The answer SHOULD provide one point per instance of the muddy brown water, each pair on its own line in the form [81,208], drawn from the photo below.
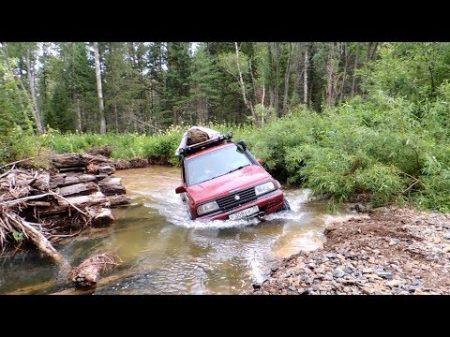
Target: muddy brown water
[164,252]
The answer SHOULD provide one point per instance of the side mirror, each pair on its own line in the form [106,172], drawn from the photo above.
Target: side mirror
[241,145]
[180,189]
[260,161]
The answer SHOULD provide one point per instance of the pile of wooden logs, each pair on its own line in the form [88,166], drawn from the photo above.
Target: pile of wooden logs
[76,192]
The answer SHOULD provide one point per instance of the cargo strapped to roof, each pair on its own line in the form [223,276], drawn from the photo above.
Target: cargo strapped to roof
[203,145]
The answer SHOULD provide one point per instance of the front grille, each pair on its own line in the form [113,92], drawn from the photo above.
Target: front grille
[230,201]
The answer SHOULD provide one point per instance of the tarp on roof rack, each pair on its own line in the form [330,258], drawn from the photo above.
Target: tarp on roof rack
[185,141]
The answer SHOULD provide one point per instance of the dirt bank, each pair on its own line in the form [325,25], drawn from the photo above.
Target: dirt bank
[393,251]
[124,164]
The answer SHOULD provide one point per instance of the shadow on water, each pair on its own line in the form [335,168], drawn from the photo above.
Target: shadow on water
[164,252]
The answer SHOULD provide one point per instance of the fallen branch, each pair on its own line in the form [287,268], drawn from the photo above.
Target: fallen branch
[411,186]
[16,162]
[21,200]
[35,236]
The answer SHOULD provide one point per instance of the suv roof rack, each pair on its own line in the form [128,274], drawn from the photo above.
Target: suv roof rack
[203,145]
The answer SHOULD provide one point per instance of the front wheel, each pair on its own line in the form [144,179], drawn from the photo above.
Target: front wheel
[286,206]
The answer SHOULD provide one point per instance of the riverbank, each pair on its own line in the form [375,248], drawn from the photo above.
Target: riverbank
[392,251]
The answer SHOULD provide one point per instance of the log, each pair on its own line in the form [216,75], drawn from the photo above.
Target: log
[52,210]
[39,204]
[72,169]
[85,188]
[118,200]
[106,169]
[57,180]
[63,180]
[112,186]
[103,282]
[94,199]
[95,159]
[69,160]
[87,274]
[101,217]
[84,200]
[42,182]
[99,177]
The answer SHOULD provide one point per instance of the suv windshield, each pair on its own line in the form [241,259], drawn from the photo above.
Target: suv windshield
[214,164]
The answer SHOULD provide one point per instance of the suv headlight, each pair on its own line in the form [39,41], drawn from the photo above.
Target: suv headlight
[264,188]
[207,208]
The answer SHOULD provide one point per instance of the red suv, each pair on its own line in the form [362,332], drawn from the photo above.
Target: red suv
[222,180]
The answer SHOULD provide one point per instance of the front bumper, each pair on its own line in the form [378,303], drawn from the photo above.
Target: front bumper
[268,203]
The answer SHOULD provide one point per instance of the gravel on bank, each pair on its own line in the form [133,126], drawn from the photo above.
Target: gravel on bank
[393,251]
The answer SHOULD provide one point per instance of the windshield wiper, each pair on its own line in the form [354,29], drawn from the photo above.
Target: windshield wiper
[238,168]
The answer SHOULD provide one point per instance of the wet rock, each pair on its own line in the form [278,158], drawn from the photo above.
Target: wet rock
[311,265]
[394,283]
[393,242]
[367,290]
[385,274]
[338,272]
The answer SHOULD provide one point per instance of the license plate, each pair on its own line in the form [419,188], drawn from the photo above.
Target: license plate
[244,213]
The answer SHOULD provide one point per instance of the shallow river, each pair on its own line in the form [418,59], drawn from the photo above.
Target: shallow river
[163,252]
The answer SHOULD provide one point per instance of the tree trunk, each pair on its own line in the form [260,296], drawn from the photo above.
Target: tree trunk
[305,77]
[247,103]
[374,51]
[355,67]
[99,90]
[78,119]
[371,51]
[287,76]
[275,64]
[31,81]
[330,77]
[116,117]
[344,76]
[263,96]
[253,78]
[270,79]
[296,97]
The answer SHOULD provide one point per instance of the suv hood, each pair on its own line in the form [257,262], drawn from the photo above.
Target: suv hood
[244,178]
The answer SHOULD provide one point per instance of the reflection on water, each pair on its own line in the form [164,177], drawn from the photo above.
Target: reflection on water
[166,253]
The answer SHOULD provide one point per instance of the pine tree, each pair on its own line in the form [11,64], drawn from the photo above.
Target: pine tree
[176,93]
[205,93]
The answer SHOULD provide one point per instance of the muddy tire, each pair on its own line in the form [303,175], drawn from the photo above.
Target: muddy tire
[286,206]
